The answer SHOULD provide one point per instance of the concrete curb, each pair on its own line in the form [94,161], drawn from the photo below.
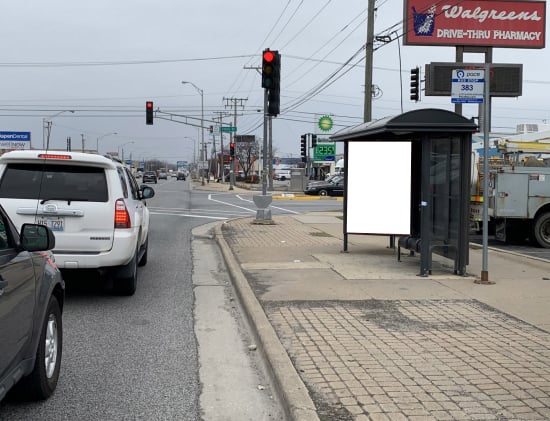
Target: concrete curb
[292,392]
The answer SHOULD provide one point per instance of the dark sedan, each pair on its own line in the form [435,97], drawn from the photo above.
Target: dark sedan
[149,177]
[32,295]
[334,187]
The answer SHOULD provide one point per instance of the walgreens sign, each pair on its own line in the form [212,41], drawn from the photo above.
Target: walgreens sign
[483,23]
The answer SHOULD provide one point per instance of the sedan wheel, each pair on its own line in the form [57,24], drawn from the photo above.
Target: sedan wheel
[42,381]
[323,193]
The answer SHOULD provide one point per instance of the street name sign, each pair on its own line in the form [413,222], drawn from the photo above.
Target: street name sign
[228,129]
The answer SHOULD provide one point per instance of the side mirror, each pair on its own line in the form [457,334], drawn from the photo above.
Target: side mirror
[146,191]
[35,237]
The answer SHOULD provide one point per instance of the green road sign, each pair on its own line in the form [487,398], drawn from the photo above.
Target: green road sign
[228,129]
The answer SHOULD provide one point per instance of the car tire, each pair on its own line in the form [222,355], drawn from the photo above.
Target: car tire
[126,284]
[143,260]
[42,381]
[323,193]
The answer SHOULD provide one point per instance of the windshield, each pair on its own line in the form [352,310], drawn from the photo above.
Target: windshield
[54,182]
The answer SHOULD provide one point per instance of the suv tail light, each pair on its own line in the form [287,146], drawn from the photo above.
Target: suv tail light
[122,217]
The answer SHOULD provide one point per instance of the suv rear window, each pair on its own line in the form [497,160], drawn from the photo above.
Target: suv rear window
[63,182]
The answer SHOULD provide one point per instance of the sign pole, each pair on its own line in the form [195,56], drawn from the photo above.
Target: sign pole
[486,175]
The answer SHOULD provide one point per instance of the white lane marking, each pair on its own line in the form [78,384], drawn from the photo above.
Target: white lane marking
[221,218]
[215,211]
[229,204]
[271,206]
[286,210]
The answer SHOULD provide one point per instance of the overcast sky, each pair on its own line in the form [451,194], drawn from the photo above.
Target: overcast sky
[105,58]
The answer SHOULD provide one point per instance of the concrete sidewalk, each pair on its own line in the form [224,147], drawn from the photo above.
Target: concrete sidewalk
[359,336]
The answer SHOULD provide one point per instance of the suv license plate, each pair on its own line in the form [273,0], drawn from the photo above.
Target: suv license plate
[55,224]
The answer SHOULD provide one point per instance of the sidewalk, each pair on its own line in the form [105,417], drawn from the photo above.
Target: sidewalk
[359,336]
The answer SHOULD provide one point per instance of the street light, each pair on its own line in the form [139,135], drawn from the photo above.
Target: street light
[200,91]
[194,151]
[101,137]
[122,147]
[47,128]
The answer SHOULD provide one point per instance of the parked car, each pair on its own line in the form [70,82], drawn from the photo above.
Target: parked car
[32,295]
[180,176]
[150,177]
[163,175]
[334,187]
[326,180]
[92,203]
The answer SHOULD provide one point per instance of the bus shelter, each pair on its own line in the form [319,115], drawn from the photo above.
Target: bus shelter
[408,176]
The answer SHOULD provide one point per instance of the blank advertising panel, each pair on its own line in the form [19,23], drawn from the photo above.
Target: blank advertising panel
[379,188]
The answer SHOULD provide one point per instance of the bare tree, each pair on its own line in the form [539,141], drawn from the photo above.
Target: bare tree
[246,154]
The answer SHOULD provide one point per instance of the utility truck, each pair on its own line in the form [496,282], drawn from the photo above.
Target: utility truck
[519,192]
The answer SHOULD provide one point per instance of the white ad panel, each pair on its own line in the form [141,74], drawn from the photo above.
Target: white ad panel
[379,187]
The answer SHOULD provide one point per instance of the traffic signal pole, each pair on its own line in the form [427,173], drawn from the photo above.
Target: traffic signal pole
[264,146]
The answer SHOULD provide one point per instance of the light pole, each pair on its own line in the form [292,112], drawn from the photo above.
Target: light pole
[122,147]
[200,91]
[194,156]
[47,128]
[101,137]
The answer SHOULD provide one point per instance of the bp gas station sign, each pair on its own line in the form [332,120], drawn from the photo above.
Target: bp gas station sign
[324,152]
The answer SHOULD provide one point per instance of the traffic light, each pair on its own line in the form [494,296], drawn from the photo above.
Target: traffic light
[313,140]
[268,68]
[271,80]
[211,129]
[232,149]
[415,84]
[149,112]
[303,147]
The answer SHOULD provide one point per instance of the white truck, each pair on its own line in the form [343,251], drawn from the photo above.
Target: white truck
[519,196]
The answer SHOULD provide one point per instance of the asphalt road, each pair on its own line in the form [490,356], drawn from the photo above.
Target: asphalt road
[139,357]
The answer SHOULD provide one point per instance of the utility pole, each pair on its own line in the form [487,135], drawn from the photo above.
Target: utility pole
[83,142]
[234,102]
[367,116]
[222,163]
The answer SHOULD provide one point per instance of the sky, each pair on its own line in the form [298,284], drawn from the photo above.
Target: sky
[104,59]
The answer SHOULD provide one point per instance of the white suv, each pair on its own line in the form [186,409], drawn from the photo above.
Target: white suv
[92,203]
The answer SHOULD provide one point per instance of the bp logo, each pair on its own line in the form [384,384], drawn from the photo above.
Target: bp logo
[325,123]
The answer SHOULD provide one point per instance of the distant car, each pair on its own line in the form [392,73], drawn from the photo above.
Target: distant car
[281,175]
[163,175]
[334,187]
[150,177]
[180,176]
[93,203]
[32,295]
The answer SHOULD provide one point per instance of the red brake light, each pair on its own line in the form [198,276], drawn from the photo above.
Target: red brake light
[122,217]
[54,156]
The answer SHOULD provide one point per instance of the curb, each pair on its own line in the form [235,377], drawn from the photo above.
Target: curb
[292,392]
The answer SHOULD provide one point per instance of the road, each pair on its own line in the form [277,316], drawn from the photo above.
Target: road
[177,349]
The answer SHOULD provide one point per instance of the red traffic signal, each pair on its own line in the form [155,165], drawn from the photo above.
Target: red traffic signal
[149,112]
[270,68]
[268,56]
[232,149]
